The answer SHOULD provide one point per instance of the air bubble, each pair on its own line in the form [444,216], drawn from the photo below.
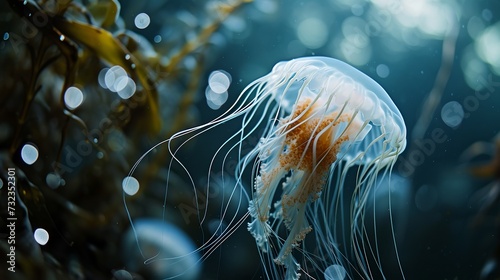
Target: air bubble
[142,20]
[128,88]
[73,97]
[215,100]
[29,154]
[313,33]
[53,180]
[219,81]
[130,185]
[452,114]
[41,236]
[383,71]
[101,78]
[113,77]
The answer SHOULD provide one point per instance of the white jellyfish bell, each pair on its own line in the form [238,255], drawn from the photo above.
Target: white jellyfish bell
[320,117]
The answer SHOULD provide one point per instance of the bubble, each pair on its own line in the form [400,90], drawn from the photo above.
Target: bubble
[487,14]
[215,100]
[1,184]
[130,185]
[142,20]
[452,114]
[157,39]
[73,97]
[120,83]
[61,38]
[128,88]
[41,236]
[53,180]
[219,81]
[113,77]
[6,36]
[335,272]
[127,56]
[101,77]
[29,154]
[383,71]
[313,33]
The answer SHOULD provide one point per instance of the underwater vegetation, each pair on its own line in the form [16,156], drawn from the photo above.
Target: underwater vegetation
[78,88]
[239,139]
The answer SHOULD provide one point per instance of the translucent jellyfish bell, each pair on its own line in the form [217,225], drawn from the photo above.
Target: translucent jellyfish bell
[334,85]
[317,118]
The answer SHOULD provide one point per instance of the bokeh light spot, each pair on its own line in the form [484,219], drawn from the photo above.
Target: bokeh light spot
[29,154]
[219,81]
[41,236]
[313,33]
[142,21]
[452,114]
[130,185]
[383,71]
[73,97]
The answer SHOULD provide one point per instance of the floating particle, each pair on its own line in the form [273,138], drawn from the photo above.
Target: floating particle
[53,180]
[313,33]
[215,100]
[29,154]
[73,97]
[383,70]
[101,77]
[128,89]
[219,81]
[41,236]
[142,20]
[130,185]
[113,77]
[452,114]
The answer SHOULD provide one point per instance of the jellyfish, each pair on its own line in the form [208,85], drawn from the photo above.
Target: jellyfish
[317,118]
[329,117]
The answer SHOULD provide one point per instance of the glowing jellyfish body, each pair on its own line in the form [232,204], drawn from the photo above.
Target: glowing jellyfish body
[319,117]
[330,117]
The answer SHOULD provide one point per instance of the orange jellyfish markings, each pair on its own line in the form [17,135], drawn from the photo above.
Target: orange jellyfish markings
[312,149]
[314,159]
